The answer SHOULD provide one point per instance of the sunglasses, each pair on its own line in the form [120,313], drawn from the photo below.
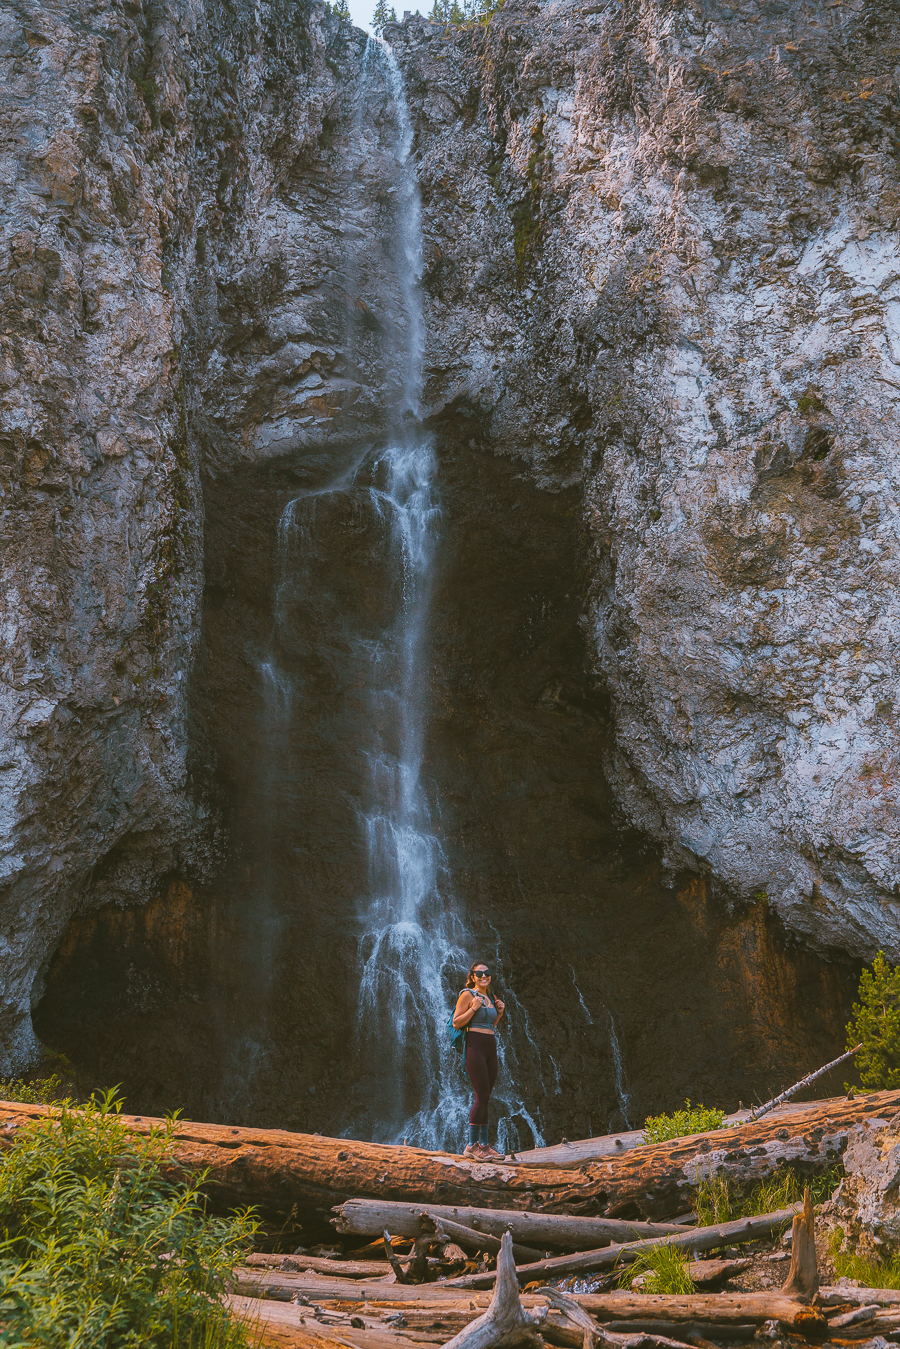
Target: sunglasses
[482,974]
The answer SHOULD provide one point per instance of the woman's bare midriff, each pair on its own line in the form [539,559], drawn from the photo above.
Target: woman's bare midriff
[479,1030]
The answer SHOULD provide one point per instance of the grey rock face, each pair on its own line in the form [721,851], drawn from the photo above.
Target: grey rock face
[660,277]
[664,266]
[865,1204]
[153,295]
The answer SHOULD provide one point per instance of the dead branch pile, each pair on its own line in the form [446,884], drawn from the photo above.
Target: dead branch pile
[439,1222]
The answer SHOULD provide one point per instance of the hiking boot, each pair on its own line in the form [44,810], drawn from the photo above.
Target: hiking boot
[473,1150]
[489,1154]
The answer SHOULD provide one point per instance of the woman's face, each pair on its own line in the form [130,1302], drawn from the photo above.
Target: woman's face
[482,977]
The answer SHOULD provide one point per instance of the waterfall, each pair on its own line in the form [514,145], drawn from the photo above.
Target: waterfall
[371,631]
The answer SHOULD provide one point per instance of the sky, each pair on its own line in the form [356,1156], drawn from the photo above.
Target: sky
[361,13]
[361,10]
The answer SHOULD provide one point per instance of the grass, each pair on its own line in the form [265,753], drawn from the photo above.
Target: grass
[870,1273]
[693,1119]
[718,1200]
[100,1249]
[665,1270]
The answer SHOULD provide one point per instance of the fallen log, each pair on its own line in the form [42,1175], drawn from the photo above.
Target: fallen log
[696,1332]
[364,1217]
[711,1308]
[693,1239]
[298,1264]
[281,1172]
[882,1323]
[570,1154]
[838,1295]
[316,1288]
[506,1322]
[280,1325]
[708,1273]
[785,1095]
[477,1241]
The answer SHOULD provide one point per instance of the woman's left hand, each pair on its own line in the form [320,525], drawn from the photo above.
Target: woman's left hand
[501,1008]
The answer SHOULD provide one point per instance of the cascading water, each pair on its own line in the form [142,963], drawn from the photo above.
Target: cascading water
[413,940]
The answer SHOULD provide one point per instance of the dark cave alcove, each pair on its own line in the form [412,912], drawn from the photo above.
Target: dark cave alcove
[238,1000]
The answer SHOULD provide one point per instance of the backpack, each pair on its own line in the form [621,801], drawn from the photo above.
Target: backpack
[457,1035]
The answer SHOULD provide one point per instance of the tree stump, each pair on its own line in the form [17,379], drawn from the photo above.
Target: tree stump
[506,1322]
[803,1275]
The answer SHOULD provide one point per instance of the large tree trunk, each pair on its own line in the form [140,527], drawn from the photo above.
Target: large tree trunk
[277,1171]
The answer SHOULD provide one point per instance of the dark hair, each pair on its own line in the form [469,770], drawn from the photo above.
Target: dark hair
[470,979]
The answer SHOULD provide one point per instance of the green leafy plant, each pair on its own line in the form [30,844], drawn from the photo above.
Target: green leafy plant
[876,1025]
[100,1250]
[41,1092]
[693,1119]
[664,1269]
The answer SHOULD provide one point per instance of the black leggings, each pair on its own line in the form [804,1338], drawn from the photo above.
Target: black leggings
[481,1065]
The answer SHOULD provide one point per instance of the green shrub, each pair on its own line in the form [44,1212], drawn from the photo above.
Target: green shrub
[693,1119]
[665,1270]
[99,1250]
[876,1024]
[42,1092]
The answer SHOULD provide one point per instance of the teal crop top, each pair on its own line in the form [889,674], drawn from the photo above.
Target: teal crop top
[485,1018]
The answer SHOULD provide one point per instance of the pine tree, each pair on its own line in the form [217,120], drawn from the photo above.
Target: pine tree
[382,16]
[876,1025]
[341,10]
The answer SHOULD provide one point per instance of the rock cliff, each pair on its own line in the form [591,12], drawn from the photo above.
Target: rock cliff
[664,267]
[660,283]
[142,236]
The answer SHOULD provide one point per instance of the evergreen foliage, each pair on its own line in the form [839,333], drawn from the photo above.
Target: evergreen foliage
[876,1024]
[99,1249]
[383,14]
[693,1119]
[452,13]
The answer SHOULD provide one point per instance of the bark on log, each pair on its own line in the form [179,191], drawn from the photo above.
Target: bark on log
[301,1264]
[833,1296]
[712,1308]
[365,1217]
[279,1172]
[506,1322]
[693,1239]
[803,1276]
[572,1154]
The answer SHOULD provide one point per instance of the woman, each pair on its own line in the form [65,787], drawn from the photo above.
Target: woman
[479,1012]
